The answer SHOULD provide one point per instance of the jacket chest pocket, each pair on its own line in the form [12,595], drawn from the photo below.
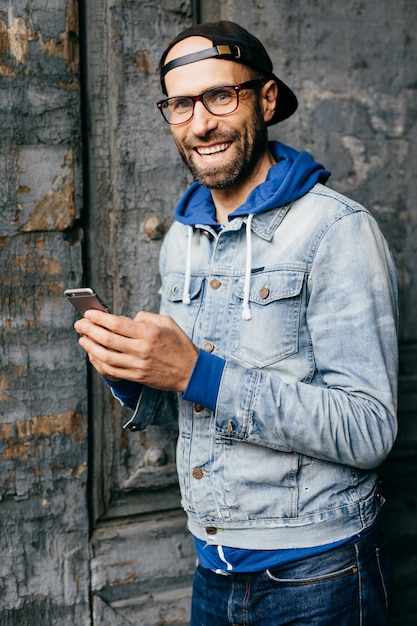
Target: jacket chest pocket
[271,334]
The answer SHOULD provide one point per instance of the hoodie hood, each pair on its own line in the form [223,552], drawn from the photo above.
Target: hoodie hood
[293,175]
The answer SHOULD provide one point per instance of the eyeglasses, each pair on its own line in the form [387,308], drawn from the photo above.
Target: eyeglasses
[218,101]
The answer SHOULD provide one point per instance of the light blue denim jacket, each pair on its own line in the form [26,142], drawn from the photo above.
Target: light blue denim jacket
[306,407]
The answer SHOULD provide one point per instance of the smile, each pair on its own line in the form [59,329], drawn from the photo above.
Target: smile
[209,150]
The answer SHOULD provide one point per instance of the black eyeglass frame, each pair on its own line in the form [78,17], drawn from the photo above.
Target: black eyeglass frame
[250,84]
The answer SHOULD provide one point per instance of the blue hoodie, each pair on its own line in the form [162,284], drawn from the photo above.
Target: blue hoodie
[293,175]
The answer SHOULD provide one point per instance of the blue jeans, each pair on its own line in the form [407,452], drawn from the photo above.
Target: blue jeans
[348,586]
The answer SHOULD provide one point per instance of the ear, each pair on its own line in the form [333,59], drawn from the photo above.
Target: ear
[269,96]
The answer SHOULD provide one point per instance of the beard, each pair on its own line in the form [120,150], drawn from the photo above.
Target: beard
[250,145]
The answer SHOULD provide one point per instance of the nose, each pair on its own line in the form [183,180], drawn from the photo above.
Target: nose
[202,121]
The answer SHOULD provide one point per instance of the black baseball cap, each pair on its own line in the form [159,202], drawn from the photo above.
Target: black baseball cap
[232,43]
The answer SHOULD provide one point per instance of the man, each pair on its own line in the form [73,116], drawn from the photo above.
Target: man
[276,344]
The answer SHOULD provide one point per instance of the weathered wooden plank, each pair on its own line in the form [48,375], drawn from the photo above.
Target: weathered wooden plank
[39,117]
[134,182]
[44,547]
[150,581]
[43,432]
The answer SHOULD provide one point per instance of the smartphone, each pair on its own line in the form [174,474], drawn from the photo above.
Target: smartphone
[84,299]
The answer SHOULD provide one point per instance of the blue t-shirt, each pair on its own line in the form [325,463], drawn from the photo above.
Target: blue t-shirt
[225,560]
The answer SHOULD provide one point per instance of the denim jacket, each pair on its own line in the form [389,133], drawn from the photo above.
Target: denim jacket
[306,406]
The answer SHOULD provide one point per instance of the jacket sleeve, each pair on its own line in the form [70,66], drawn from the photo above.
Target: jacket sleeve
[347,412]
[150,406]
[126,391]
[159,408]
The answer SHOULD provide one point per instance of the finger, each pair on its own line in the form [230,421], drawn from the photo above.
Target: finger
[103,358]
[95,337]
[117,324]
[114,365]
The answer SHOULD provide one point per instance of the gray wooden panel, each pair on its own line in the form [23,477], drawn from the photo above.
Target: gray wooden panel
[44,568]
[43,434]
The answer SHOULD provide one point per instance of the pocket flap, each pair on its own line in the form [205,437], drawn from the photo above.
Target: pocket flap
[173,287]
[271,286]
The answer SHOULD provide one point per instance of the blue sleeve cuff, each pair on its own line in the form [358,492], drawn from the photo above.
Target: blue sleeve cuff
[204,383]
[126,391]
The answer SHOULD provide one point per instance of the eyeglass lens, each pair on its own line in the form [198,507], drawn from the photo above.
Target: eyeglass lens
[218,101]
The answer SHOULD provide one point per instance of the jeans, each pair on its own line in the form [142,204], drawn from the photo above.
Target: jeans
[348,586]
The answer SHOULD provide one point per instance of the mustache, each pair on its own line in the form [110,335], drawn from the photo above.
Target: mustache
[212,136]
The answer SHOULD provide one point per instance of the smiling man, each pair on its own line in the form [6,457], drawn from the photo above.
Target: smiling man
[275,349]
[223,151]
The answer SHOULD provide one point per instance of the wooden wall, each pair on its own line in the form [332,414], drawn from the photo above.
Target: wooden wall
[44,543]
[90,526]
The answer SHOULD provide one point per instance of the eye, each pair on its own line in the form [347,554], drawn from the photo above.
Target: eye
[221,96]
[180,105]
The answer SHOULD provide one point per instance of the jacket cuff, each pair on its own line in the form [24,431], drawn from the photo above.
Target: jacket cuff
[204,383]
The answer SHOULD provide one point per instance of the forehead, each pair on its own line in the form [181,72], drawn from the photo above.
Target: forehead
[196,77]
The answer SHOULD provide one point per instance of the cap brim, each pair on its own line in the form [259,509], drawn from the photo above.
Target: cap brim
[287,102]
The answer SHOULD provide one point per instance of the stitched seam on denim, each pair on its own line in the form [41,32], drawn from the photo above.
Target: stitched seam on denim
[359,585]
[245,603]
[384,586]
[230,602]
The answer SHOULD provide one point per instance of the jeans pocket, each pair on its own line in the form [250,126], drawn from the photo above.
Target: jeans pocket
[274,574]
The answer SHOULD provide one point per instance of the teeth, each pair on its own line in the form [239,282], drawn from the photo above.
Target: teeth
[213,149]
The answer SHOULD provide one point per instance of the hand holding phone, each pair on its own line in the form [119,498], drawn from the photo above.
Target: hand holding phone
[85,298]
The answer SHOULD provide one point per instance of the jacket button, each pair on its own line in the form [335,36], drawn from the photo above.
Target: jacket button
[210,530]
[198,408]
[215,283]
[134,428]
[264,293]
[197,473]
[208,346]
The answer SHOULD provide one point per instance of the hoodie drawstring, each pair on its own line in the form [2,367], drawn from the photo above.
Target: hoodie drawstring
[246,314]
[186,298]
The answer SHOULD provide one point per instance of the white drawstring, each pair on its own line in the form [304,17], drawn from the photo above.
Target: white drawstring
[186,298]
[246,314]
[220,552]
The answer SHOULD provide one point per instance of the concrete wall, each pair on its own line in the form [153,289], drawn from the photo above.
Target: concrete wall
[121,534]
